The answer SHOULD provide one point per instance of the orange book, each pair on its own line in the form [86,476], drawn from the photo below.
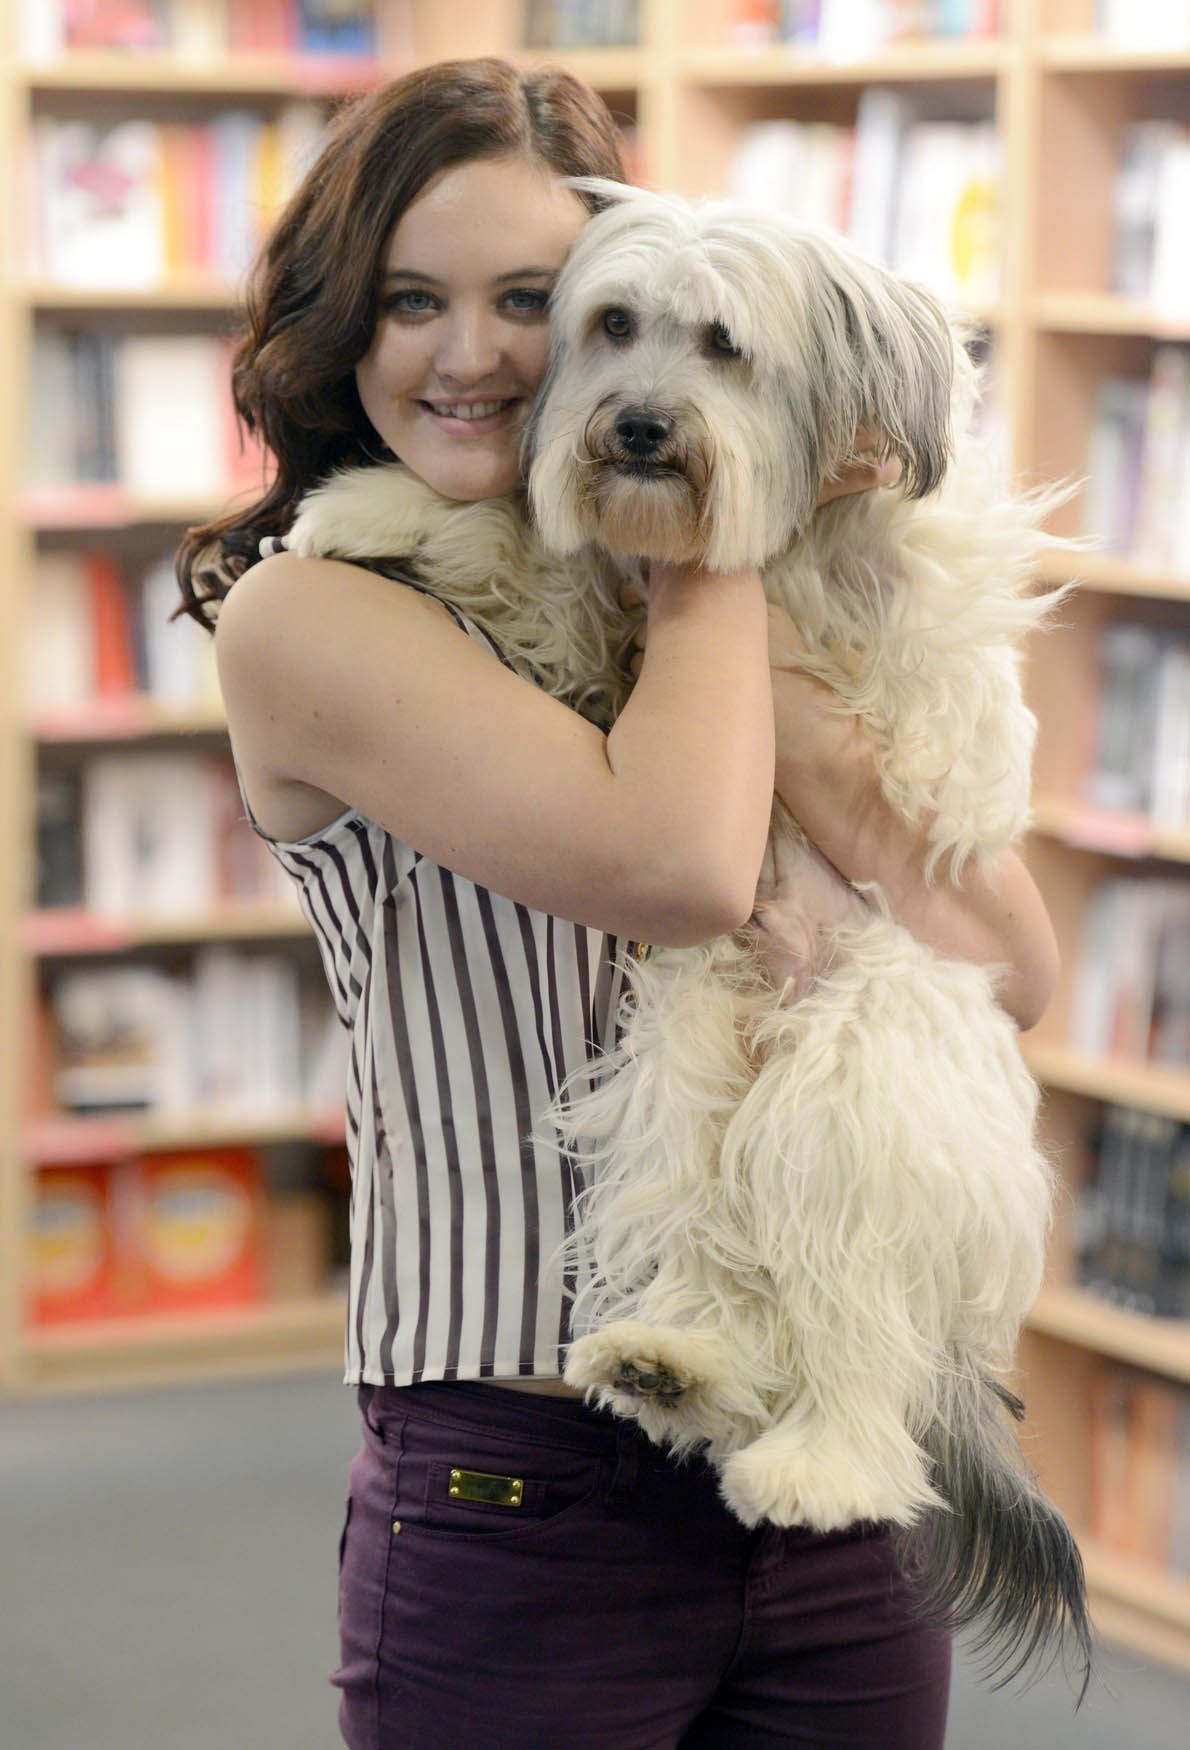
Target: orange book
[71,1270]
[198,1231]
[174,202]
[115,660]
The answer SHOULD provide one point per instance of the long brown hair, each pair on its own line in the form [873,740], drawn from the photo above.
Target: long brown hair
[310,304]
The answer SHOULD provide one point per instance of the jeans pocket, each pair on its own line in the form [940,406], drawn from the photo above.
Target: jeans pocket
[466,1496]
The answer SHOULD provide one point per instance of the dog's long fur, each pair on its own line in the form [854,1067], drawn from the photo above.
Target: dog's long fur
[815,1206]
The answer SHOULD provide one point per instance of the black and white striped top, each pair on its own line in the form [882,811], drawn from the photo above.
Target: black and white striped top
[466,1011]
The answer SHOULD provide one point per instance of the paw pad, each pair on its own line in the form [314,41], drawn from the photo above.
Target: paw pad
[650,1381]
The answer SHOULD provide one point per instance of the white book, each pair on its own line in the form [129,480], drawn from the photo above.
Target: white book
[178,1090]
[1151,24]
[1179,558]
[1143,146]
[1113,460]
[275,1004]
[301,130]
[217,999]
[976,231]
[880,123]
[170,416]
[934,177]
[60,667]
[765,169]
[1093,995]
[39,31]
[1170,290]
[197,29]
[49,457]
[824,187]
[147,844]
[1165,414]
[849,30]
[101,198]
[1169,804]
[175,672]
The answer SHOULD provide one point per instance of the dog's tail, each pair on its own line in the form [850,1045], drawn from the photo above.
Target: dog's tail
[1002,1561]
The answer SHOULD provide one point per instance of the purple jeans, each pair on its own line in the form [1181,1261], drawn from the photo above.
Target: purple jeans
[603,1597]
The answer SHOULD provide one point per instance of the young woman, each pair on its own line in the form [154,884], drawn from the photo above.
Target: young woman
[517,1569]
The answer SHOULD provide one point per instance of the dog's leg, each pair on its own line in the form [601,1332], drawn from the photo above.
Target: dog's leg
[636,1361]
[830,1467]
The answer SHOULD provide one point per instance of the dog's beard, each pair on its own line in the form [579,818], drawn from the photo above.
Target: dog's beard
[654,509]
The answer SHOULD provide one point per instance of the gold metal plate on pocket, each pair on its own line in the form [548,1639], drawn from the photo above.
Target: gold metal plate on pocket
[642,950]
[478,1485]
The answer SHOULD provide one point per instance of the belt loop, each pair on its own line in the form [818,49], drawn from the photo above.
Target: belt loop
[623,1483]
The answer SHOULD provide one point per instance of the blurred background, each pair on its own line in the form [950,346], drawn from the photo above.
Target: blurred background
[174,1439]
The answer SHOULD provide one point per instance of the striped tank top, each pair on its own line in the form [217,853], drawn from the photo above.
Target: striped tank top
[466,1010]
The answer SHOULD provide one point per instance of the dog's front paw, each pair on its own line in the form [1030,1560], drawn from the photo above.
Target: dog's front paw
[633,1361]
[783,1483]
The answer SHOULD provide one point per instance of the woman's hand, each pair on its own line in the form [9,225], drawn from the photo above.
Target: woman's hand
[859,476]
[865,472]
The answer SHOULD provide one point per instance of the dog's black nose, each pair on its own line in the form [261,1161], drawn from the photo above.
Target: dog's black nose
[642,429]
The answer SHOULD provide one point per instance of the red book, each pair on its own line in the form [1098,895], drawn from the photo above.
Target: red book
[71,1270]
[200,187]
[115,659]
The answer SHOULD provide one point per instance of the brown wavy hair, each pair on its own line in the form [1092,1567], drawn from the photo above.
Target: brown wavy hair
[311,298]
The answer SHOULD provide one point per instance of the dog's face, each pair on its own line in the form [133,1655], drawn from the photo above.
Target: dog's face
[709,368]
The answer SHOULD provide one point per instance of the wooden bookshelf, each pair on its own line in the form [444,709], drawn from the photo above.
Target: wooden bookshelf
[1059,97]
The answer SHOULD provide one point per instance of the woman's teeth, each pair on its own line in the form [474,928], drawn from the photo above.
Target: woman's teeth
[469,409]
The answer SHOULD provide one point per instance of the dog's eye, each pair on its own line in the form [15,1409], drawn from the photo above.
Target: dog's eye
[721,341]
[617,323]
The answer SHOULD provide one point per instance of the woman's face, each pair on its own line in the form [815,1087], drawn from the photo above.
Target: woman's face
[462,338]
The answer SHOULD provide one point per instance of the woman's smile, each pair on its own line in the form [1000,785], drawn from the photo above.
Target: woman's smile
[469,419]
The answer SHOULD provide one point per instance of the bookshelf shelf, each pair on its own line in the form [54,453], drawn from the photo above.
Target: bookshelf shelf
[1093,54]
[1114,574]
[925,62]
[49,1142]
[1118,835]
[1146,1085]
[1104,313]
[188,294]
[52,933]
[239,75]
[303,1332]
[130,717]
[1160,1345]
[107,507]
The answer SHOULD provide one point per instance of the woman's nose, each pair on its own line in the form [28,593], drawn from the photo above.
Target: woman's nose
[469,347]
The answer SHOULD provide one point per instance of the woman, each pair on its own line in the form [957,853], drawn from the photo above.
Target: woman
[517,1568]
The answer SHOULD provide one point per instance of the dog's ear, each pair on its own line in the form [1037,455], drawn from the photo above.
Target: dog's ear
[900,358]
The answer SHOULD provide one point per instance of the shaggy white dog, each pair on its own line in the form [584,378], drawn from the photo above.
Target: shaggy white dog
[816,1209]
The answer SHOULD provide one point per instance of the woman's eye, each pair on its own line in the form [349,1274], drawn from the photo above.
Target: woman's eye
[526,301]
[616,323]
[409,303]
[721,340]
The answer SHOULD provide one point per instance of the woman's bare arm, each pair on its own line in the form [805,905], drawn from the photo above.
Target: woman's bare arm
[826,774]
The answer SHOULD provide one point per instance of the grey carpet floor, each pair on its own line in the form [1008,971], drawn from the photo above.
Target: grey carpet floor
[166,1583]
